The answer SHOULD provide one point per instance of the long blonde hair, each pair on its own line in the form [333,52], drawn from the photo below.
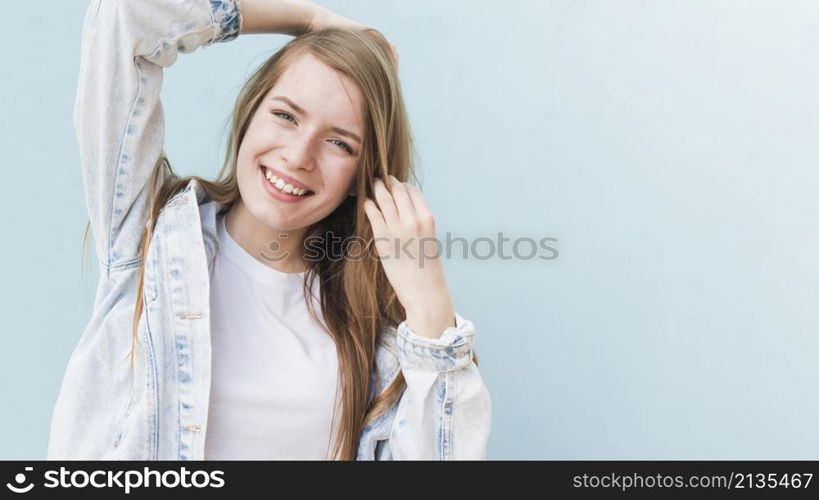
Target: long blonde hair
[357,301]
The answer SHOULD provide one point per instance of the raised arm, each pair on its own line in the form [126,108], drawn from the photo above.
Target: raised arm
[117,111]
[292,17]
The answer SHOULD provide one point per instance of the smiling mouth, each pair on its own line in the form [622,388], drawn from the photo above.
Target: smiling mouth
[284,186]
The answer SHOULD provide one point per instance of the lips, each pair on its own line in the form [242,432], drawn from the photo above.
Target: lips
[279,193]
[289,180]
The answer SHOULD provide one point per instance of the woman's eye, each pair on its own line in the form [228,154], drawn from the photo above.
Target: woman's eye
[343,145]
[288,117]
[284,115]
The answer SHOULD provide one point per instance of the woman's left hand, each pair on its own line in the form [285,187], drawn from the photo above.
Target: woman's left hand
[404,231]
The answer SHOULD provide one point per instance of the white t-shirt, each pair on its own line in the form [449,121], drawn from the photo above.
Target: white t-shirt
[274,370]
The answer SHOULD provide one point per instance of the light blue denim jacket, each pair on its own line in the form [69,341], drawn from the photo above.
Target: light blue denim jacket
[102,413]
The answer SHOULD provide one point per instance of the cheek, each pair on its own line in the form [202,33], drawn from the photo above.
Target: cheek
[252,146]
[341,179]
[252,143]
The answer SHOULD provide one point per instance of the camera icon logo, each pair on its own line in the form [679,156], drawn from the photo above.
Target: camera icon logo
[20,478]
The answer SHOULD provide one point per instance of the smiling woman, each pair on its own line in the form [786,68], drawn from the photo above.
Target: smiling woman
[235,353]
[297,146]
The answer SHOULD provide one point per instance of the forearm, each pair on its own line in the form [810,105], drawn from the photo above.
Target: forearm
[428,305]
[433,319]
[290,17]
[445,411]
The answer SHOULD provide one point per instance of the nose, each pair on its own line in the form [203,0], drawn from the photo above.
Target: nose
[299,153]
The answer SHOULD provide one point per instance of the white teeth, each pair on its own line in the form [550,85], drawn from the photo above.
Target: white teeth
[282,186]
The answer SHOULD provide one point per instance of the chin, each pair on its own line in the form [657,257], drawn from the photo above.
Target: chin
[274,221]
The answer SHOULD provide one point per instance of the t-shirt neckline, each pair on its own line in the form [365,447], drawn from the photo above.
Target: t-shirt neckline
[249,264]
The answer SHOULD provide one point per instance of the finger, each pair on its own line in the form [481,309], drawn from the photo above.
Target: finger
[385,203]
[422,211]
[375,217]
[417,198]
[402,200]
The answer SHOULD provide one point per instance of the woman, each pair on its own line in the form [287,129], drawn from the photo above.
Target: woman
[267,314]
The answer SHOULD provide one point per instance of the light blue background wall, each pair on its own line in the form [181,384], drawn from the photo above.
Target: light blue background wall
[671,147]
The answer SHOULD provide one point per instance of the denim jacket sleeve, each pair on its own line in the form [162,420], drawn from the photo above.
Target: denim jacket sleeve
[445,410]
[118,116]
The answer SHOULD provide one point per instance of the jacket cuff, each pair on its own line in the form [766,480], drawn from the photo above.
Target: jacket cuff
[227,19]
[451,351]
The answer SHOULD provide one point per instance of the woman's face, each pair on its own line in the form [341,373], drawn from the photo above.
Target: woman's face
[306,132]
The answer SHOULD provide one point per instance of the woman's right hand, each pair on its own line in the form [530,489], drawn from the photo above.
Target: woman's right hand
[294,17]
[323,18]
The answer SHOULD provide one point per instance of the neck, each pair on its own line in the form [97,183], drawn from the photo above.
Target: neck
[279,250]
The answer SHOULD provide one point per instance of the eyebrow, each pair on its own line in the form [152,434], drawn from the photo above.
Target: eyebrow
[300,110]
